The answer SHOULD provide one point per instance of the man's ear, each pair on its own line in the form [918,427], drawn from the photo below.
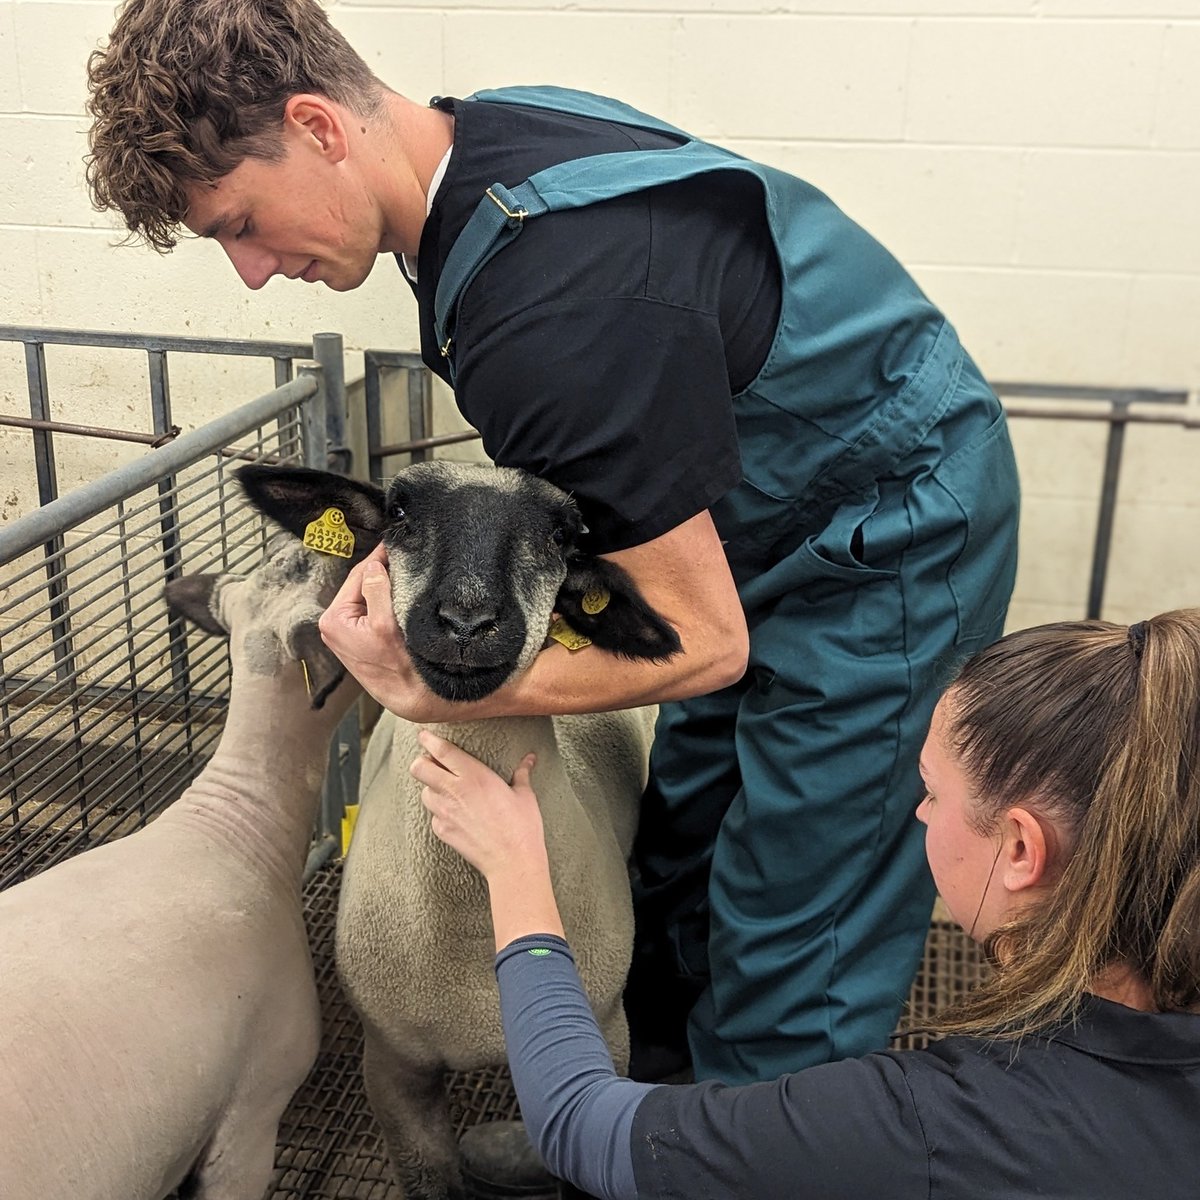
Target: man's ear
[296,496]
[600,599]
[1029,850]
[314,119]
[191,597]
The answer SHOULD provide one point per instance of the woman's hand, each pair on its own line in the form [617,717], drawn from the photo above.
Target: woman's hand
[497,828]
[494,825]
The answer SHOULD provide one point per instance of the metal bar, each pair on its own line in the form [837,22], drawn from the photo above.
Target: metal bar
[283,372]
[327,350]
[95,431]
[373,399]
[1107,516]
[47,480]
[408,360]
[442,439]
[1188,417]
[160,391]
[39,410]
[1072,391]
[160,413]
[85,502]
[149,341]
[420,413]
[313,422]
[131,662]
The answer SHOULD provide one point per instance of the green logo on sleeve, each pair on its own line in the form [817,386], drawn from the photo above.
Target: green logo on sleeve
[539,953]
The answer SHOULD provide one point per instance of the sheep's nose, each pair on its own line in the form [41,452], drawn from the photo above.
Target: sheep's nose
[466,623]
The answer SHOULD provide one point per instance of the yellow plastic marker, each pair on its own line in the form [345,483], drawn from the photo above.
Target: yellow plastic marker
[328,534]
[348,822]
[307,681]
[562,633]
[595,601]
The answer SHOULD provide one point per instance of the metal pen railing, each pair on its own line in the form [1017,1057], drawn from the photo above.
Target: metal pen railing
[108,706]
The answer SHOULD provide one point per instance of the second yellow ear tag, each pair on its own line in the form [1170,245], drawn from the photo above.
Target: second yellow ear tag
[595,601]
[329,534]
[562,633]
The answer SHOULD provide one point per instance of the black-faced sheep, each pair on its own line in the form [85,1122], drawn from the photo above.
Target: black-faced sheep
[157,1002]
[479,559]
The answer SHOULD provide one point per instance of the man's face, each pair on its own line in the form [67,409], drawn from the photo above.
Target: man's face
[302,217]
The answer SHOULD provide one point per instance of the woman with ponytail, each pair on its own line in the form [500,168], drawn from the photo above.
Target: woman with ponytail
[1062,814]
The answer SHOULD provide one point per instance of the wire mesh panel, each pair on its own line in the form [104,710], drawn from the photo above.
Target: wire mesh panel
[108,705]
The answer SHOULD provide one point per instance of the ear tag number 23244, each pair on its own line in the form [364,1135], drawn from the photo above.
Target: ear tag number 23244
[329,534]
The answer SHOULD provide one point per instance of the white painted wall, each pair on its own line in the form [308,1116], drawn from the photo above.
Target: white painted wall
[1036,163]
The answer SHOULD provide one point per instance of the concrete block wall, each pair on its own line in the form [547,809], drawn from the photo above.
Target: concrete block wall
[1035,163]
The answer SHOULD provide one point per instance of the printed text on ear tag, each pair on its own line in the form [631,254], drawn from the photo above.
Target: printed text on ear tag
[595,601]
[329,534]
[561,632]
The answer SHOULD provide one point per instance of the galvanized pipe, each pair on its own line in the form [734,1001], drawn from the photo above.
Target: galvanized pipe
[86,502]
[1117,414]
[152,341]
[96,431]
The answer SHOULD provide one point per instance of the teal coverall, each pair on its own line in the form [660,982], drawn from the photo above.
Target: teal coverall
[873,543]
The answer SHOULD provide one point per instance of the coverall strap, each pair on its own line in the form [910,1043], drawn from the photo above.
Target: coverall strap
[502,212]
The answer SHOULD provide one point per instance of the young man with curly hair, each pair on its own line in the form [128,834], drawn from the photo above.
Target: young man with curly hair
[761,416]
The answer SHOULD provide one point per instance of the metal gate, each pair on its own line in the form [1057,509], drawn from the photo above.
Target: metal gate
[108,707]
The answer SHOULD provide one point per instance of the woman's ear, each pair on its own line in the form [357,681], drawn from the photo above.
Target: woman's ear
[1029,850]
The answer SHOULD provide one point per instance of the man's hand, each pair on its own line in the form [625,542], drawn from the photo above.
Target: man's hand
[360,627]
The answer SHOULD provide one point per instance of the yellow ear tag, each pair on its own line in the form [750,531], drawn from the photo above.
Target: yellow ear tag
[595,601]
[328,534]
[307,681]
[562,633]
[348,823]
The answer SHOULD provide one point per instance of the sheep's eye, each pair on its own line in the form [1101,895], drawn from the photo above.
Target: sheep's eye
[557,536]
[396,511]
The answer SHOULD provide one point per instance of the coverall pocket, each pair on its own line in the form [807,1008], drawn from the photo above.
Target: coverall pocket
[979,480]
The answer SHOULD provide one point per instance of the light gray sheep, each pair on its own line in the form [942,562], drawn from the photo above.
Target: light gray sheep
[157,1002]
[479,558]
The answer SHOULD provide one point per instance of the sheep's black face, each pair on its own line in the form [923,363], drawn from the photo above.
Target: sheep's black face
[476,556]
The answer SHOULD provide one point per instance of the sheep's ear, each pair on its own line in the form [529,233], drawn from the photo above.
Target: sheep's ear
[322,669]
[295,496]
[599,599]
[191,597]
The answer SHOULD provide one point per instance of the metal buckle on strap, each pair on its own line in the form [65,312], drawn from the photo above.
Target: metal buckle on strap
[445,350]
[515,216]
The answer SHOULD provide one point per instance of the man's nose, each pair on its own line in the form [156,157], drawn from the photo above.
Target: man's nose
[253,265]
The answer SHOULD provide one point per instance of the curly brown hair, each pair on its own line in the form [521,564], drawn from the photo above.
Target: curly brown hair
[186,90]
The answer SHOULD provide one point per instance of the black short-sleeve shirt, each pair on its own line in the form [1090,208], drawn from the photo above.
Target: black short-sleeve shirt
[602,347]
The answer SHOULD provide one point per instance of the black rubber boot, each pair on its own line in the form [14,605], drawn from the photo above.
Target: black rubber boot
[499,1162]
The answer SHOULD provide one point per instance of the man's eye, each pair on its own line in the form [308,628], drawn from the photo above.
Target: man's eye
[245,231]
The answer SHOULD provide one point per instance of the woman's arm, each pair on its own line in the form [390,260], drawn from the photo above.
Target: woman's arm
[578,1112]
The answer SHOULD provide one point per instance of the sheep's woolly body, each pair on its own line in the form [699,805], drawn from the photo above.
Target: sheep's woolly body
[157,1003]
[479,559]
[432,996]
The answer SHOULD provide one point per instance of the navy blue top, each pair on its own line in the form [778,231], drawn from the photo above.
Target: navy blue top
[1105,1109]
